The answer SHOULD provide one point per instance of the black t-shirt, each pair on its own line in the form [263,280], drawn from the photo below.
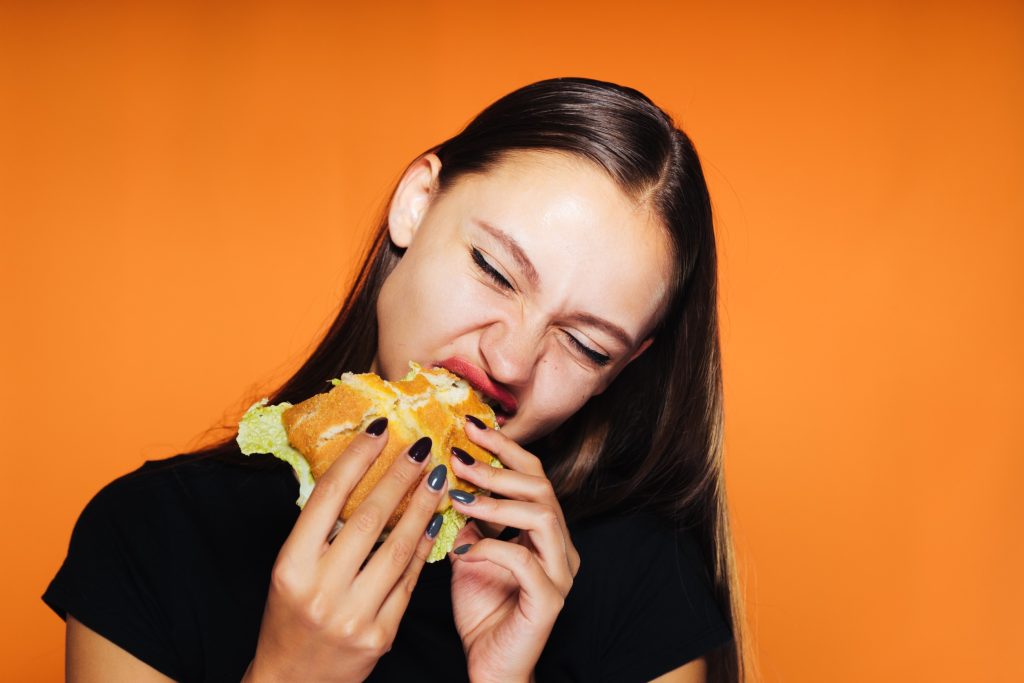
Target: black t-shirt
[172,563]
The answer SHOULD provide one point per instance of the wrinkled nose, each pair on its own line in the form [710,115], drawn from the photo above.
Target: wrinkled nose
[510,354]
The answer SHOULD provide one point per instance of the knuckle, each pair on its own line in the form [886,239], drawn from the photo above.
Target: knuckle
[564,582]
[409,583]
[521,556]
[489,474]
[401,551]
[347,630]
[375,641]
[422,552]
[405,472]
[366,519]
[370,639]
[284,579]
[555,600]
[315,612]
[329,488]
[547,517]
[423,504]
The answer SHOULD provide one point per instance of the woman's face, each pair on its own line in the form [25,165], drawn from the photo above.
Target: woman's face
[537,281]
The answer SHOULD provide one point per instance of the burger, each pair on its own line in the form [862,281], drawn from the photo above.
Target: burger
[312,434]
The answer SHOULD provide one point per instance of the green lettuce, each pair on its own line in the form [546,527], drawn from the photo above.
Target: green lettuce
[261,430]
[450,527]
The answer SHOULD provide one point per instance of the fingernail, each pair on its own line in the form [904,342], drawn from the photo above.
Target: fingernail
[462,549]
[435,525]
[464,457]
[377,427]
[464,497]
[437,476]
[421,449]
[476,422]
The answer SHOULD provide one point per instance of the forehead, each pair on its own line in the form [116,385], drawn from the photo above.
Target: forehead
[593,246]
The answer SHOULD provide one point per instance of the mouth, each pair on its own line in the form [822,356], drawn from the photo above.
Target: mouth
[499,413]
[501,401]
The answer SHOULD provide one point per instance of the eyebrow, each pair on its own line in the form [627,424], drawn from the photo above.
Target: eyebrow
[513,248]
[523,260]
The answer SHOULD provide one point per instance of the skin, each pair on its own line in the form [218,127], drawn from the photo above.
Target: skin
[594,250]
[594,253]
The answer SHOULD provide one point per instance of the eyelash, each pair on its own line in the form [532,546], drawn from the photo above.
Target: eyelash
[595,357]
[482,263]
[478,258]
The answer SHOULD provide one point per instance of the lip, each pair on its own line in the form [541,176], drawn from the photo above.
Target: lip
[479,380]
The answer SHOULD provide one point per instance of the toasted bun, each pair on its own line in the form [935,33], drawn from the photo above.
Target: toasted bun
[430,403]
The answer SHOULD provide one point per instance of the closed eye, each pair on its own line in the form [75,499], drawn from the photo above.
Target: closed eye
[591,354]
[489,270]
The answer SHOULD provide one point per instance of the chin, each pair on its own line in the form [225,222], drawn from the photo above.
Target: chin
[522,433]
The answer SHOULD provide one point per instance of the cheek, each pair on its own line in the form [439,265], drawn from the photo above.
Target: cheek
[560,389]
[391,330]
[424,307]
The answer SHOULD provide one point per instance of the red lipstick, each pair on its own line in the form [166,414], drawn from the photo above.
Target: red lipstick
[479,380]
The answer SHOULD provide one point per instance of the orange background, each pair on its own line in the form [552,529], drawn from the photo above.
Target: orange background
[172,174]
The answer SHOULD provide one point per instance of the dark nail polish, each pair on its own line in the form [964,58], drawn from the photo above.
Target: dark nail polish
[464,457]
[437,476]
[421,449]
[435,525]
[377,427]
[464,497]
[477,422]
[462,548]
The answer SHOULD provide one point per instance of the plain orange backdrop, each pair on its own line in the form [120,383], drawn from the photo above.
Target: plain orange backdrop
[185,188]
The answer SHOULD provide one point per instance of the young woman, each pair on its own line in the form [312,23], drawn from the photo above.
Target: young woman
[559,254]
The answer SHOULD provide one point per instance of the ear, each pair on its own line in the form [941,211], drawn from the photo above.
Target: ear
[643,347]
[413,195]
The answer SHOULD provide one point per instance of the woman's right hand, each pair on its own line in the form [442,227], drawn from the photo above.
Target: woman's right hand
[328,617]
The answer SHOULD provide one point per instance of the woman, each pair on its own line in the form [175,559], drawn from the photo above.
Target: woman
[559,253]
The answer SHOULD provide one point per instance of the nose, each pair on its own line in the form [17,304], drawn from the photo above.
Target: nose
[510,353]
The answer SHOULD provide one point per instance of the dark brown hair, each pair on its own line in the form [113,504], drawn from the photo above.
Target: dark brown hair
[653,440]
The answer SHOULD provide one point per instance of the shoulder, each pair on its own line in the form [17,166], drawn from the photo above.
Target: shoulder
[171,514]
[164,493]
[129,514]
[189,516]
[157,513]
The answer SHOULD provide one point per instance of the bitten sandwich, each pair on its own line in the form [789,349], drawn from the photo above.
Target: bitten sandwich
[312,434]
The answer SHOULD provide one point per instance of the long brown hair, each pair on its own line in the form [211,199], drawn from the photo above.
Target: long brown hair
[653,440]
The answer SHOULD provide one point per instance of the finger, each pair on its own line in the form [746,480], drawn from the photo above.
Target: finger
[395,604]
[511,454]
[353,543]
[509,483]
[392,559]
[539,599]
[469,534]
[516,458]
[505,482]
[539,521]
[317,519]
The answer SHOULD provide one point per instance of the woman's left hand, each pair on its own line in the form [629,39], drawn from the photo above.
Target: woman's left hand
[506,595]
